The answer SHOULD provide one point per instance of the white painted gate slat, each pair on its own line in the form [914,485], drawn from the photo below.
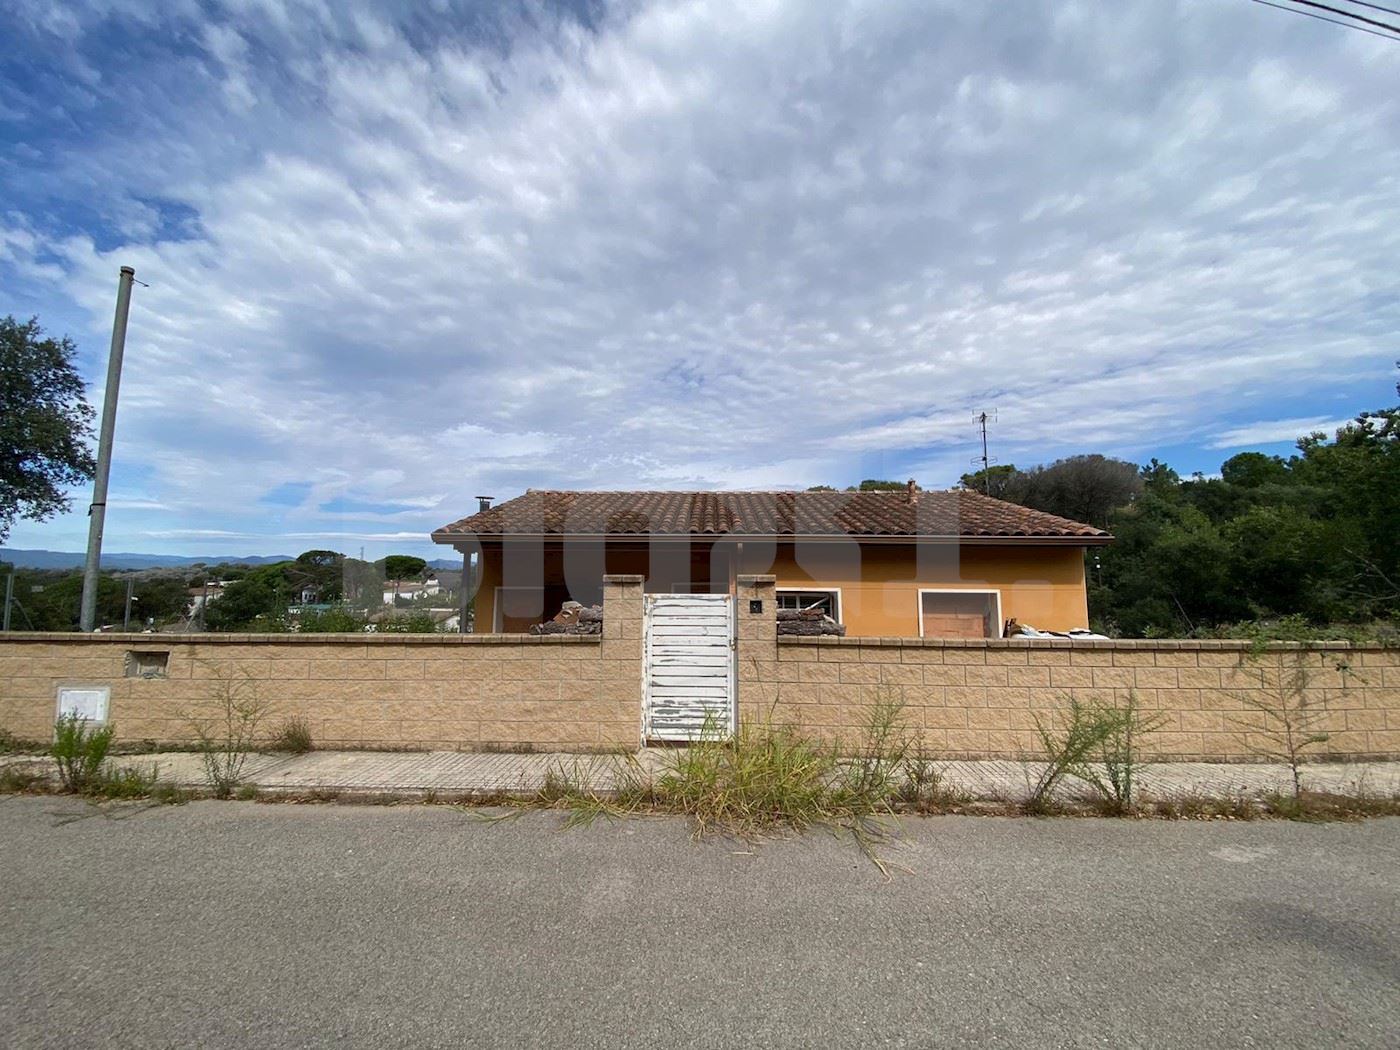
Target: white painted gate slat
[689,665]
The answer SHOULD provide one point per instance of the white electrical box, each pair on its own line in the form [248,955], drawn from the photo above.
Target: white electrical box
[86,702]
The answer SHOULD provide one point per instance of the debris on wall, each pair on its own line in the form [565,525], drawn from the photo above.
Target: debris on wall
[573,618]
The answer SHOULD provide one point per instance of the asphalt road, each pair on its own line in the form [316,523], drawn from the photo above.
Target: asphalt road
[237,925]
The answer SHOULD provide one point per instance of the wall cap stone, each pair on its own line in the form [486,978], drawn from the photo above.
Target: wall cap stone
[755,579]
[162,640]
[623,578]
[1139,644]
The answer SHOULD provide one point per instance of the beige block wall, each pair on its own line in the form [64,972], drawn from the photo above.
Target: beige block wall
[374,691]
[980,699]
[965,699]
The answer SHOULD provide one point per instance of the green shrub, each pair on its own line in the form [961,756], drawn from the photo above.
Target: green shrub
[1293,718]
[126,782]
[227,736]
[1119,753]
[417,622]
[331,621]
[1086,729]
[79,750]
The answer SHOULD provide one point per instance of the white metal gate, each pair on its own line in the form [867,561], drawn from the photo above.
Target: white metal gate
[689,665]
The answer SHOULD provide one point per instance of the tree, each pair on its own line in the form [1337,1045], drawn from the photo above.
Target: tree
[1309,539]
[161,598]
[1253,470]
[1081,488]
[363,584]
[51,604]
[322,571]
[45,424]
[264,592]
[403,566]
[991,481]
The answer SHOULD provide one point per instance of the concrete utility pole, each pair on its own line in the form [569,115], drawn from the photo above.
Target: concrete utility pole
[126,616]
[9,598]
[97,512]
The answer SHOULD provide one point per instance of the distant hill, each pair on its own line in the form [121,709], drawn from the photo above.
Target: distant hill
[40,559]
[37,559]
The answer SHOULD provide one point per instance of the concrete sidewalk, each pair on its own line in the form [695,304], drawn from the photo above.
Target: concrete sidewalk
[448,773]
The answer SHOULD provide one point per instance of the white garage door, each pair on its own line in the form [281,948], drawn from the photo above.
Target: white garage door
[689,665]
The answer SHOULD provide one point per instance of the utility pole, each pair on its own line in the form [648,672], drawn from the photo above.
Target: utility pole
[97,512]
[9,599]
[126,616]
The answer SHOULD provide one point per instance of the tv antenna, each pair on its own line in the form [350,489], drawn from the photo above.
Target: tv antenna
[982,419]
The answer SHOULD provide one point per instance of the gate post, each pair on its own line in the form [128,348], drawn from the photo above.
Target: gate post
[622,654]
[756,646]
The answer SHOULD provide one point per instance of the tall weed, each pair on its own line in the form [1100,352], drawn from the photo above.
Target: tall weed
[79,749]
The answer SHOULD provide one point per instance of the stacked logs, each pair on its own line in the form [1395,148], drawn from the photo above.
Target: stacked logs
[807,622]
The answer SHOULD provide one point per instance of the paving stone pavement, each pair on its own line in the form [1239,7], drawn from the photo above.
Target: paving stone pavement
[454,772]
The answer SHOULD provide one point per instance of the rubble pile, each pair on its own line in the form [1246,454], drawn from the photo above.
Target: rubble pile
[573,618]
[807,622]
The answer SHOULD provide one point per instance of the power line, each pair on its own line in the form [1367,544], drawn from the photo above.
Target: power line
[1347,14]
[1324,18]
[1375,7]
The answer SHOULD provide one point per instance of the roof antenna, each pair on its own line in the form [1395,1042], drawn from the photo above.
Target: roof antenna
[981,419]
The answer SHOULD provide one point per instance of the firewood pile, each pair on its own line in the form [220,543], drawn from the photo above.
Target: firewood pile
[808,622]
[573,618]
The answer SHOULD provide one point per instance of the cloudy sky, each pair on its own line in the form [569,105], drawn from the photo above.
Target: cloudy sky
[395,261]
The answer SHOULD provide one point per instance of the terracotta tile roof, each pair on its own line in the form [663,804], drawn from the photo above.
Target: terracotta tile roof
[932,514]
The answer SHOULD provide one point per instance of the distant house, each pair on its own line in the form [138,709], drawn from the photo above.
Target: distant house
[906,563]
[206,592]
[449,580]
[410,589]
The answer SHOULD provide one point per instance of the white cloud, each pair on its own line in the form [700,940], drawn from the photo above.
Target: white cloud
[711,244]
[1274,430]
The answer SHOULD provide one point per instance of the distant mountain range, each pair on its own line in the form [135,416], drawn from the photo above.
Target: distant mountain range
[40,559]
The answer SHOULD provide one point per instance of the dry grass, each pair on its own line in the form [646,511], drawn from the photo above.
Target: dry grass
[293,736]
[766,779]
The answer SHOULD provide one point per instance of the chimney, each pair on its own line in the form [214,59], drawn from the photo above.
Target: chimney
[911,492]
[483,503]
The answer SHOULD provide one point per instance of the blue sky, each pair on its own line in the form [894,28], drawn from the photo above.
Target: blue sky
[395,261]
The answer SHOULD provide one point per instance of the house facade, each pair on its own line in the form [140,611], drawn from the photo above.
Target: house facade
[910,563]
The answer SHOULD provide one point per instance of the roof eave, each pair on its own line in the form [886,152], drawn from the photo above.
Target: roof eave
[1100,540]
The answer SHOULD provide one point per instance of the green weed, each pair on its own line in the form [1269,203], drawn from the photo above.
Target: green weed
[79,749]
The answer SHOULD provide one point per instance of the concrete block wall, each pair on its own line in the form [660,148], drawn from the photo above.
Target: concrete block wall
[974,699]
[471,692]
[981,699]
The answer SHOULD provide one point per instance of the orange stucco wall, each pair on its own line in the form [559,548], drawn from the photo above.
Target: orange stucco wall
[879,584]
